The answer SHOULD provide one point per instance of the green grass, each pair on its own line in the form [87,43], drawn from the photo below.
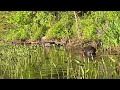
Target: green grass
[34,62]
[33,25]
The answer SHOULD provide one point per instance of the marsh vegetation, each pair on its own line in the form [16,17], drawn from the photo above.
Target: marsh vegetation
[34,62]
[52,45]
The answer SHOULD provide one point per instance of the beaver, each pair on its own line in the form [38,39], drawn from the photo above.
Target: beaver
[89,51]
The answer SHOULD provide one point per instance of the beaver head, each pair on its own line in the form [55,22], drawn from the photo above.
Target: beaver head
[89,51]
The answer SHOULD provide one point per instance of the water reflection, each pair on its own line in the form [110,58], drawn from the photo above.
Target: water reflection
[55,63]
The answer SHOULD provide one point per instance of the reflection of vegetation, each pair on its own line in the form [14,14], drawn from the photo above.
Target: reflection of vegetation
[30,62]
[94,25]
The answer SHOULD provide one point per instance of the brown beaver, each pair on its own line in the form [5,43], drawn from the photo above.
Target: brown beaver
[89,51]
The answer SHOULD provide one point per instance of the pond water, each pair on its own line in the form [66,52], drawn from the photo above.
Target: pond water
[35,62]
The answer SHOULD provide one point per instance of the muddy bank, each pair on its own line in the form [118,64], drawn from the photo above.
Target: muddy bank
[65,42]
[73,45]
[69,43]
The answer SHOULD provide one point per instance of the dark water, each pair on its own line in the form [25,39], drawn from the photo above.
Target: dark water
[35,62]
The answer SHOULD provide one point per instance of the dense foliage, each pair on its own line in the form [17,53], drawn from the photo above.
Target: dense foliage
[33,25]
